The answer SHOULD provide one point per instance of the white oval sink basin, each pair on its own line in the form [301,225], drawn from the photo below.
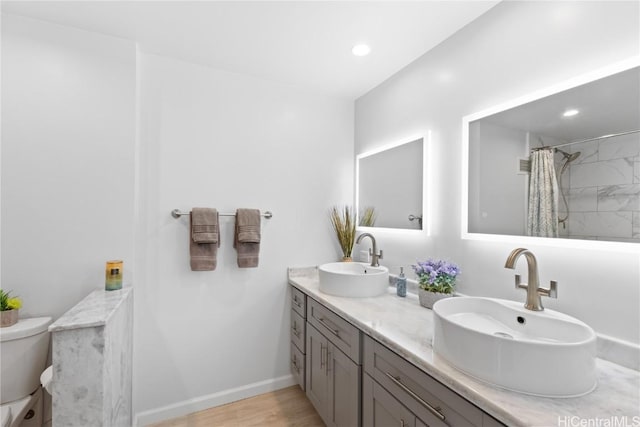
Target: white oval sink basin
[543,353]
[353,279]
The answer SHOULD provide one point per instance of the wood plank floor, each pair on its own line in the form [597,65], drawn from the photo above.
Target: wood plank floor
[288,407]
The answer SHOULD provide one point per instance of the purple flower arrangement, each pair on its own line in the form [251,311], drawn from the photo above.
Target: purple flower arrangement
[436,275]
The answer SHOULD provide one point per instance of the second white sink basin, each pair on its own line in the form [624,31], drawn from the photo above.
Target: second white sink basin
[353,279]
[544,353]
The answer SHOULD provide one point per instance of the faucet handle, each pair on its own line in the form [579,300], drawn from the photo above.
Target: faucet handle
[552,292]
[379,254]
[520,285]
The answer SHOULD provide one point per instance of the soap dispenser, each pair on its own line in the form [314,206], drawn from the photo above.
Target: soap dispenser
[401,284]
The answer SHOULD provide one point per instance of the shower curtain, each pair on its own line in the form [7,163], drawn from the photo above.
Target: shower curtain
[542,219]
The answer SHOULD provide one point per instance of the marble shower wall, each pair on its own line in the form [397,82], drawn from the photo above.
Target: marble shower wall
[603,190]
[92,361]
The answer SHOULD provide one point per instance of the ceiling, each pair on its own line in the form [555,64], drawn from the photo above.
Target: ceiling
[606,106]
[305,44]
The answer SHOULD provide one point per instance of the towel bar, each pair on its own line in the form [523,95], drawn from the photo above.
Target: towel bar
[177,214]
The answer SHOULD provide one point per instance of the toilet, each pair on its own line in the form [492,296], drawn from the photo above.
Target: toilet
[23,356]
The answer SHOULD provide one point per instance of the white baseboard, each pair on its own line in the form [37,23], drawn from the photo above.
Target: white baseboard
[212,400]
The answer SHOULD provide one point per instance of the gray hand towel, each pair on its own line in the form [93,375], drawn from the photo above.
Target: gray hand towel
[204,225]
[247,237]
[204,240]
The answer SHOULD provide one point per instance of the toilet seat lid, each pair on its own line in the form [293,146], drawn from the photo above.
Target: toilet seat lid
[25,328]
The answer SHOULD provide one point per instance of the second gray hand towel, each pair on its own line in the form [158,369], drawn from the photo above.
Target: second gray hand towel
[204,239]
[247,237]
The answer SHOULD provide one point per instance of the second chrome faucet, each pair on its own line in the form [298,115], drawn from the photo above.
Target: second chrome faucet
[534,302]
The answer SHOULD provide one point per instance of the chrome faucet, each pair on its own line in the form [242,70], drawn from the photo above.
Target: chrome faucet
[373,252]
[534,302]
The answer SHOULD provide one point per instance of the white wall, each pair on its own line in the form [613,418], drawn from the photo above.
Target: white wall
[68,133]
[217,139]
[512,50]
[77,190]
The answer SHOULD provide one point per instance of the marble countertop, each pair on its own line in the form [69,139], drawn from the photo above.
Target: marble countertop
[94,310]
[407,328]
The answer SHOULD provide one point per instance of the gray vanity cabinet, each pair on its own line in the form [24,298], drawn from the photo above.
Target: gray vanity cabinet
[333,381]
[317,379]
[344,389]
[353,380]
[298,336]
[420,395]
[333,368]
[381,409]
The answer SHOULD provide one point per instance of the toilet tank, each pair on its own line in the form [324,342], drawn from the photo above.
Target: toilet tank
[23,356]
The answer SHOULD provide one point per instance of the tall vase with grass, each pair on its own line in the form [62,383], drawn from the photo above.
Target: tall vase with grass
[343,220]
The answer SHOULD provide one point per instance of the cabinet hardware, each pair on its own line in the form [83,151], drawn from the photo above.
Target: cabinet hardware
[328,360]
[434,410]
[295,364]
[322,355]
[295,300]
[324,322]
[296,332]
[402,424]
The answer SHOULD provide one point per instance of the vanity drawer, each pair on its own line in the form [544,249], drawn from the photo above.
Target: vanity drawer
[431,401]
[298,326]
[296,363]
[341,333]
[298,301]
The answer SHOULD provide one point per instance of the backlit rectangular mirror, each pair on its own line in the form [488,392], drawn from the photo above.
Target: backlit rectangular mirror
[564,165]
[389,185]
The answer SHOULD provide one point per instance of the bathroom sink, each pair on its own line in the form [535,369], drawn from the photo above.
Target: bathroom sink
[543,353]
[353,279]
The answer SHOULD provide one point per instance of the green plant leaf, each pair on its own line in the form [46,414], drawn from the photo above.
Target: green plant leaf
[343,221]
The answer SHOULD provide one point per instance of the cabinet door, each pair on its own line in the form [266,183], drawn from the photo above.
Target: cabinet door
[317,380]
[380,409]
[344,389]
[298,326]
[340,332]
[297,366]
[431,401]
[298,302]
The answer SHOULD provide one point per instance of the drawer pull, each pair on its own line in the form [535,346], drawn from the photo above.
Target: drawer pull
[322,355]
[434,410]
[402,424]
[335,332]
[296,331]
[295,300]
[295,364]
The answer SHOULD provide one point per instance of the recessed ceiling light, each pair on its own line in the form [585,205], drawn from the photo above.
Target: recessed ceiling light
[570,113]
[361,50]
